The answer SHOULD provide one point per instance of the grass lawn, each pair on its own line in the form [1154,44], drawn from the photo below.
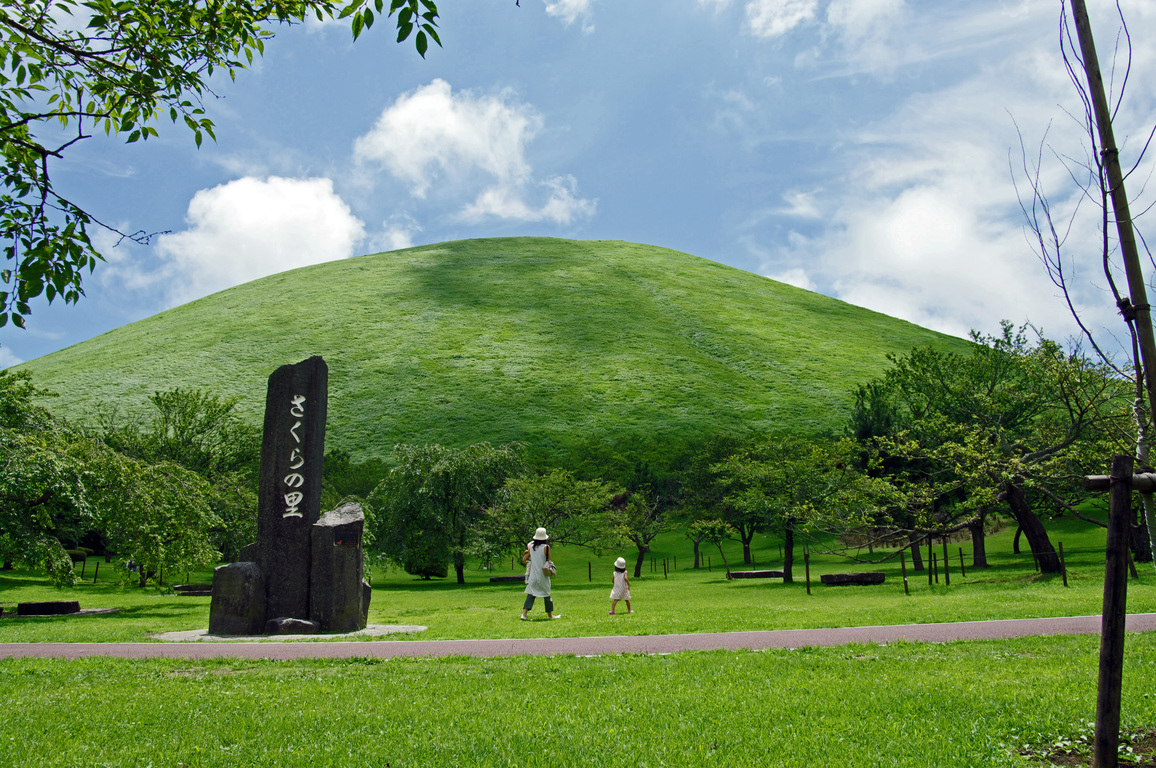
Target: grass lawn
[992,703]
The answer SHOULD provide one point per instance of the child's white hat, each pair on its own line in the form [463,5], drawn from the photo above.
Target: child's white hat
[620,563]
[540,535]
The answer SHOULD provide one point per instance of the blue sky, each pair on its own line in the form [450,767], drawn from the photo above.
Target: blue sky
[860,148]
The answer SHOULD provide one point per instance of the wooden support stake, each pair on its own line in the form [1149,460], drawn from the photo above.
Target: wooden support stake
[930,567]
[962,573]
[807,566]
[1063,567]
[903,567]
[96,572]
[1132,565]
[708,563]
[664,571]
[946,565]
[589,571]
[676,562]
[1107,739]
[83,563]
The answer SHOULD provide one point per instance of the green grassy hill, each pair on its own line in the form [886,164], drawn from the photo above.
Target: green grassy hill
[553,342]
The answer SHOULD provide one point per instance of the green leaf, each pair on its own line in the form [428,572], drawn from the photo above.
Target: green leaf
[422,44]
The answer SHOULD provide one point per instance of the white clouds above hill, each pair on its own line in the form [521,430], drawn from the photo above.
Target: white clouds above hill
[254,227]
[461,144]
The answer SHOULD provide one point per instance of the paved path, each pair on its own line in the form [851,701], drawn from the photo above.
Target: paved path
[581,646]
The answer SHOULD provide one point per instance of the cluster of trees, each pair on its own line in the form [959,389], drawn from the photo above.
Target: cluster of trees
[941,443]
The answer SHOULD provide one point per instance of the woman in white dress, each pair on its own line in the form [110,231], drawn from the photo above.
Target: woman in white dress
[538,583]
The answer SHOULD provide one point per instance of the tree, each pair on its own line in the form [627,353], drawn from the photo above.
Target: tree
[799,486]
[716,531]
[428,506]
[974,430]
[202,433]
[69,69]
[1100,178]
[59,481]
[641,520]
[573,512]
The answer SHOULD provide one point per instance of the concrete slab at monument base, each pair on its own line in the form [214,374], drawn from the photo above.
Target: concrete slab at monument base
[238,604]
[287,626]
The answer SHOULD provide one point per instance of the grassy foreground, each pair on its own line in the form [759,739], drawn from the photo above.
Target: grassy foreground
[907,704]
[961,704]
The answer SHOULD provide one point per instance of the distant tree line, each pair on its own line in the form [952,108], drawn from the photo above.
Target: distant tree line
[940,444]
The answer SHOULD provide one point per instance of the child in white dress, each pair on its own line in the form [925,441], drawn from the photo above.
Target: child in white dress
[621,589]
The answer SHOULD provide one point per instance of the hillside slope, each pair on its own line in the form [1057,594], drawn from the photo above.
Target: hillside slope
[553,342]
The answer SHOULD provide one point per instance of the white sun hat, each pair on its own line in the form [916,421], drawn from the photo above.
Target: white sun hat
[620,563]
[540,535]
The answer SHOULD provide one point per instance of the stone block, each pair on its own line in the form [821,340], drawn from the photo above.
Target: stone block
[49,608]
[848,579]
[238,604]
[336,581]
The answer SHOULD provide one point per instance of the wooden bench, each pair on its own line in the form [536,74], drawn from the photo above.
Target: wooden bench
[193,590]
[846,579]
[507,579]
[756,574]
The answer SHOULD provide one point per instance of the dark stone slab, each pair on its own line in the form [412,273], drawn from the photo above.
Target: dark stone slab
[193,590]
[757,574]
[847,579]
[250,553]
[508,579]
[49,608]
[289,492]
[238,605]
[337,573]
[286,625]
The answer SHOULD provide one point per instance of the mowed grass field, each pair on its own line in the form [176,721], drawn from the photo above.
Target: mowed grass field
[965,704]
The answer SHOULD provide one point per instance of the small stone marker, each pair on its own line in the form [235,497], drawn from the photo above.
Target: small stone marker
[286,626]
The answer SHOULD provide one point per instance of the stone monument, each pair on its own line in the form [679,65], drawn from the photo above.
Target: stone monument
[305,572]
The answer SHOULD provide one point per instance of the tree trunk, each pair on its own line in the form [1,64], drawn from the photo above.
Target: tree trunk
[696,543]
[746,537]
[788,553]
[1033,529]
[978,542]
[916,554]
[642,550]
[7,566]
[1138,539]
[460,567]
[1016,540]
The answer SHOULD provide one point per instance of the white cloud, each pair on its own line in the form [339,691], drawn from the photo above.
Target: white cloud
[8,359]
[396,233]
[775,18]
[561,207]
[797,277]
[436,141]
[570,10]
[253,227]
[802,205]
